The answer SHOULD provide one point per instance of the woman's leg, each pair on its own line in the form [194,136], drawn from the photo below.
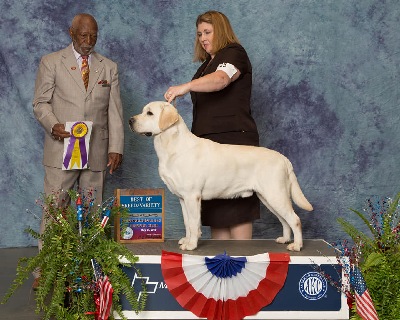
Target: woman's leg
[220,233]
[243,231]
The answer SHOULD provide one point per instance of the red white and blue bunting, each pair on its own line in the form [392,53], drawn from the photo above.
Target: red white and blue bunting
[224,287]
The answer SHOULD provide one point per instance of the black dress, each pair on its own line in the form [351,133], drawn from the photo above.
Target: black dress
[225,116]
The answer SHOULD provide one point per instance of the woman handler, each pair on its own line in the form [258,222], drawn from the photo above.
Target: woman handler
[221,92]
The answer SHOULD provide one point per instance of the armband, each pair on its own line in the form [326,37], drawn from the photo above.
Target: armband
[228,68]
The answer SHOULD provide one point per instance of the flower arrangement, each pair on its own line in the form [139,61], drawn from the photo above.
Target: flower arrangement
[371,263]
[80,263]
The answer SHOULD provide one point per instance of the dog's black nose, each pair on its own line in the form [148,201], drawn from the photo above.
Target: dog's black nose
[131,121]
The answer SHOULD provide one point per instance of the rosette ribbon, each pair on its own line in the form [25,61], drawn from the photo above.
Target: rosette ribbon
[224,287]
[76,152]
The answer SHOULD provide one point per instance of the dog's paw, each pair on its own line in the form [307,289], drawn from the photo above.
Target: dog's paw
[183,240]
[188,246]
[282,240]
[294,247]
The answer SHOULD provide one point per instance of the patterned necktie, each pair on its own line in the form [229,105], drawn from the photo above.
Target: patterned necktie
[85,70]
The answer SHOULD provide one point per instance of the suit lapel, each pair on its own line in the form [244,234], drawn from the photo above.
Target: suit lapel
[71,65]
[96,68]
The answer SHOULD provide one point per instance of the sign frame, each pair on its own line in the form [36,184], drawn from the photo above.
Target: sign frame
[144,214]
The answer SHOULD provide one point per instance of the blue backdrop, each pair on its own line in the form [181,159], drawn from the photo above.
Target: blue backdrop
[325,94]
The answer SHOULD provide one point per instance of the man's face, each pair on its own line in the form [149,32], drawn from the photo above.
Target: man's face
[84,36]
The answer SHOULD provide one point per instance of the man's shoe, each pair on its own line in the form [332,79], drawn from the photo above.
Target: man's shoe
[35,284]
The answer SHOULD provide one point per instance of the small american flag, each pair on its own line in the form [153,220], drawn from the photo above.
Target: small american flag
[97,271]
[365,306]
[105,291]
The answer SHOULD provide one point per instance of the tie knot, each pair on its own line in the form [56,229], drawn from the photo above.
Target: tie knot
[85,57]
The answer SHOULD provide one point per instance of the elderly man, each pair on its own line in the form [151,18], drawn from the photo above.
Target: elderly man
[79,84]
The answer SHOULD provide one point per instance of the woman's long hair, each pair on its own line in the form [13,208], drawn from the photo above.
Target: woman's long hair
[223,34]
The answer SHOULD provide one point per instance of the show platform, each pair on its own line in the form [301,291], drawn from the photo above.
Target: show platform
[306,294]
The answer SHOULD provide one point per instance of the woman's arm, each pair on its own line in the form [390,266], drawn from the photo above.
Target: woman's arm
[215,81]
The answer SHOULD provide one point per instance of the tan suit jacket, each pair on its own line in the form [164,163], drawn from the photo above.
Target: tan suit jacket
[60,96]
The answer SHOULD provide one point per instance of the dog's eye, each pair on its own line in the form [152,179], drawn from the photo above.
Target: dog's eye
[149,113]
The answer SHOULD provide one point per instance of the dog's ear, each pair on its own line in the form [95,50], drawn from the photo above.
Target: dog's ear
[168,117]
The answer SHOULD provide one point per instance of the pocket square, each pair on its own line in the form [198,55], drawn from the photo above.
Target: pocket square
[104,83]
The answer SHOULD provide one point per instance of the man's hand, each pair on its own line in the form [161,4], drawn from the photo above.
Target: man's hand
[114,161]
[58,132]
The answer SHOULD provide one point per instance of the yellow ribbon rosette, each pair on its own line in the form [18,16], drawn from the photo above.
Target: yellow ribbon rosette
[79,130]
[76,150]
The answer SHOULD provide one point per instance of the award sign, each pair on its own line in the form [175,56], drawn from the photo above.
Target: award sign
[76,147]
[145,222]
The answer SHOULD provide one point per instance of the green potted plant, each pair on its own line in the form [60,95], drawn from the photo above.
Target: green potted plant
[378,255]
[79,257]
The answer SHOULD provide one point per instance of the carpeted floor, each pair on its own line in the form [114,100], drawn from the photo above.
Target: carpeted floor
[22,304]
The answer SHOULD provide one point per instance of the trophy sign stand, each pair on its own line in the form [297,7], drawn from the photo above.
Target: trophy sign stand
[145,222]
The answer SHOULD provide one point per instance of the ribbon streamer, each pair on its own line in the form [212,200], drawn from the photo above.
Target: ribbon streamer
[76,153]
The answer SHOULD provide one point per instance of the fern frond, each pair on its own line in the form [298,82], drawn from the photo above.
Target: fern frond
[65,265]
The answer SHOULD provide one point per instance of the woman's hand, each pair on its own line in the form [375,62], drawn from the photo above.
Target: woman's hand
[176,91]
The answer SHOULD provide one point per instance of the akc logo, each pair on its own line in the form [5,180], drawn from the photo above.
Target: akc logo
[313,286]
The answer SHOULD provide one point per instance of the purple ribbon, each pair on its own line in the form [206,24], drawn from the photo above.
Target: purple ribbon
[70,148]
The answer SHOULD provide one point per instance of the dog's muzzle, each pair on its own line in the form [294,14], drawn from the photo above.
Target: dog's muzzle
[131,123]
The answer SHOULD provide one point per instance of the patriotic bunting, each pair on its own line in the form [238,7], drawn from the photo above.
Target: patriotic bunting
[224,287]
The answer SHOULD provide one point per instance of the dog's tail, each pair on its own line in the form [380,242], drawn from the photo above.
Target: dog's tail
[295,190]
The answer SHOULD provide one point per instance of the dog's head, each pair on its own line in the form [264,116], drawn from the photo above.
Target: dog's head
[155,118]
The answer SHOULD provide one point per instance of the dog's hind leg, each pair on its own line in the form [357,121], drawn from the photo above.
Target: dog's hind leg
[286,231]
[295,224]
[191,207]
[289,220]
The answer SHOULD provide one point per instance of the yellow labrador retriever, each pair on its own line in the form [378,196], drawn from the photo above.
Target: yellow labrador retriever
[194,168]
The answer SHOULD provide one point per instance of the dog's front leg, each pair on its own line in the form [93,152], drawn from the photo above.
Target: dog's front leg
[186,238]
[191,217]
